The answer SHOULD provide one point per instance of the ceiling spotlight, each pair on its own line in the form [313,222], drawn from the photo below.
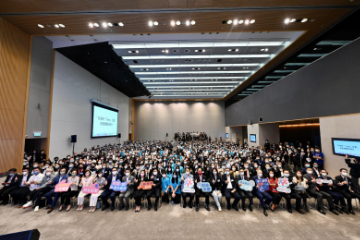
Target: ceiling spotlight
[240,21]
[137,51]
[120,24]
[129,52]
[156,23]
[247,21]
[62,25]
[304,20]
[287,20]
[229,50]
[192,22]
[229,22]
[104,25]
[90,25]
[109,24]
[187,23]
[150,23]
[236,50]
[252,21]
[172,23]
[56,25]
[293,20]
[235,22]
[40,26]
[178,23]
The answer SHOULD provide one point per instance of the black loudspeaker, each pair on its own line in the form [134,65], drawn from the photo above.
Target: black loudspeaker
[119,135]
[73,138]
[27,235]
[167,134]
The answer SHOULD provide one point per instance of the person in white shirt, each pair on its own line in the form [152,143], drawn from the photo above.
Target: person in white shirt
[34,183]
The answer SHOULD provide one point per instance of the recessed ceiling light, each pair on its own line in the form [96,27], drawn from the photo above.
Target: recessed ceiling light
[109,24]
[229,22]
[241,21]
[235,22]
[156,23]
[62,25]
[151,23]
[287,20]
[247,21]
[137,51]
[252,21]
[90,25]
[192,22]
[293,20]
[304,20]
[187,23]
[104,25]
[120,24]
[40,26]
[172,23]
[178,23]
[56,25]
[96,25]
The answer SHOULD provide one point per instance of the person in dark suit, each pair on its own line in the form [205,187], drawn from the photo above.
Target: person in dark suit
[354,172]
[200,177]
[314,191]
[243,194]
[262,195]
[60,177]
[139,192]
[109,192]
[229,189]
[22,189]
[292,194]
[343,184]
[156,189]
[11,182]
[130,189]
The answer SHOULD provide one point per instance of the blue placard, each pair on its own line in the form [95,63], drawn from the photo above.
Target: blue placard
[247,185]
[204,186]
[263,184]
[119,186]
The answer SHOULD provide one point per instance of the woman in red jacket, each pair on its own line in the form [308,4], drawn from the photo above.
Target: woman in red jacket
[273,184]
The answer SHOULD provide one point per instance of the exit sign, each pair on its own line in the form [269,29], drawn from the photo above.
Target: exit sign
[37,134]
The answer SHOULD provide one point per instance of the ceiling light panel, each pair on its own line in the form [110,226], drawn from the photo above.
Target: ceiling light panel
[198,56]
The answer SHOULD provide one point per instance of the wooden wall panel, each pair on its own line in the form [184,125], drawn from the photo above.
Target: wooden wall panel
[14,83]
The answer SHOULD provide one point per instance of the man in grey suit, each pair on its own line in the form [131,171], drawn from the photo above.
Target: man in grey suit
[130,189]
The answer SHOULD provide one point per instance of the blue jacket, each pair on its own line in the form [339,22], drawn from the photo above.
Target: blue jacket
[165,183]
[56,180]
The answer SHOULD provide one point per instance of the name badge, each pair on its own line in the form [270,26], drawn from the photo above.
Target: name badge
[218,180]
[232,180]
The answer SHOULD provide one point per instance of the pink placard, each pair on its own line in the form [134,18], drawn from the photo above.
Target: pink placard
[62,186]
[94,189]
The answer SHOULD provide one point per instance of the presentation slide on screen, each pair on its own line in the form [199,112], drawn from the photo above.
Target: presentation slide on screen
[343,147]
[105,122]
[252,138]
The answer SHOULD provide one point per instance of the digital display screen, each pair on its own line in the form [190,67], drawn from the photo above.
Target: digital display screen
[253,138]
[346,146]
[104,121]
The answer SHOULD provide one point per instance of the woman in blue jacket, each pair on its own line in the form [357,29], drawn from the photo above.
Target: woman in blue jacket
[176,188]
[166,188]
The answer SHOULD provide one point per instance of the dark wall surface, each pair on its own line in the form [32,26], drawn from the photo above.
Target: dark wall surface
[329,86]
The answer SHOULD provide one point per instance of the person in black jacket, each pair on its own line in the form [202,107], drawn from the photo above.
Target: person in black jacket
[11,182]
[243,194]
[200,177]
[354,172]
[229,188]
[343,182]
[156,189]
[216,185]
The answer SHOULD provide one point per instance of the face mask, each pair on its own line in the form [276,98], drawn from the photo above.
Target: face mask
[246,167]
[48,174]
[279,166]
[227,173]
[344,174]
[71,166]
[177,170]
[87,174]
[73,174]
[315,166]
[127,174]
[215,173]
[324,174]
[35,166]
[317,150]
[25,163]
[187,173]
[11,174]
[267,168]
[259,174]
[299,174]
[164,175]
[62,173]
[241,173]
[155,173]
[142,175]
[309,172]
[286,175]
[114,172]
[307,165]
[271,175]
[255,166]
[36,172]
[125,167]
[174,176]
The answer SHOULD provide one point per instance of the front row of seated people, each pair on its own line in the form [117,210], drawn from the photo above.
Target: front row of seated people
[167,184]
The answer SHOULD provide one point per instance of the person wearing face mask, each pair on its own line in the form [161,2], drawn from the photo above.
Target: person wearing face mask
[343,184]
[175,188]
[243,194]
[102,182]
[262,195]
[273,184]
[318,157]
[201,177]
[307,165]
[34,184]
[314,191]
[329,188]
[136,171]
[86,181]
[73,191]
[59,178]
[108,191]
[229,189]
[354,172]
[22,187]
[166,188]
[187,175]
[11,183]
[292,194]
[139,193]
[316,170]
[155,190]
[130,189]
[71,168]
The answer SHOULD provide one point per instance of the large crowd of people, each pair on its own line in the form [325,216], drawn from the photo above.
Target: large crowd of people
[167,166]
